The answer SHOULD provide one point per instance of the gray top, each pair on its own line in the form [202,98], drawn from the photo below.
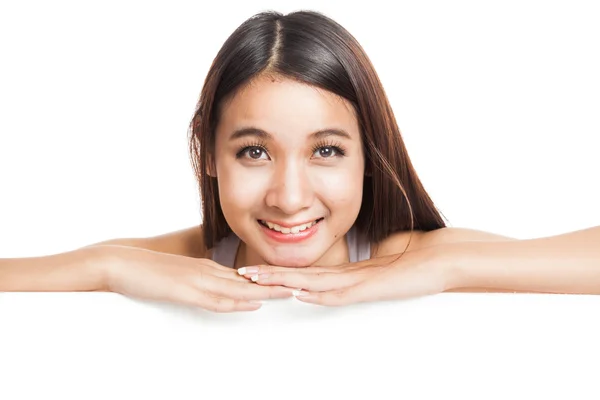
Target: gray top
[225,251]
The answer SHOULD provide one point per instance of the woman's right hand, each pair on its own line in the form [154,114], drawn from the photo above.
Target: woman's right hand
[198,282]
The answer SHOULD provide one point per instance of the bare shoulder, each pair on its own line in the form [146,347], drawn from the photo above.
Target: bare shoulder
[187,242]
[407,241]
[396,243]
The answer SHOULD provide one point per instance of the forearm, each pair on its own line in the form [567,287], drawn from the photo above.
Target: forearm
[77,270]
[567,263]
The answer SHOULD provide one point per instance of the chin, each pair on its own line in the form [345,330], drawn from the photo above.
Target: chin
[290,262]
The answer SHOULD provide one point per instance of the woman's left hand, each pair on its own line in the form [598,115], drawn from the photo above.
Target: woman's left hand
[414,273]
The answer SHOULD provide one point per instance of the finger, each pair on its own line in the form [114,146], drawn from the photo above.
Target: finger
[321,281]
[224,305]
[248,272]
[216,269]
[228,274]
[215,265]
[218,304]
[377,263]
[245,290]
[338,297]
[250,291]
[370,264]
[361,265]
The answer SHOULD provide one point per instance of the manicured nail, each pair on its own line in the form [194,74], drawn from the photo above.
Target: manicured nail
[247,270]
[259,276]
[299,293]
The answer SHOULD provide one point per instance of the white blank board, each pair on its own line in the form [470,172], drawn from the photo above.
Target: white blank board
[452,345]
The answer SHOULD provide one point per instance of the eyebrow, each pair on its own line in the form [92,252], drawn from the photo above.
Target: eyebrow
[252,131]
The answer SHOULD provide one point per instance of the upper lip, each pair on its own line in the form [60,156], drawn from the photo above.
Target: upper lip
[289,224]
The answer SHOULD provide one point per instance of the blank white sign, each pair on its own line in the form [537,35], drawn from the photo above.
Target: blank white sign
[453,345]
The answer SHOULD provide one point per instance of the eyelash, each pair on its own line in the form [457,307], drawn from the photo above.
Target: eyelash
[339,149]
[336,146]
[243,149]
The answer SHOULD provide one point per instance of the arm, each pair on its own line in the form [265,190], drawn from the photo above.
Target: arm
[402,241]
[78,270]
[83,269]
[453,235]
[461,259]
[566,263]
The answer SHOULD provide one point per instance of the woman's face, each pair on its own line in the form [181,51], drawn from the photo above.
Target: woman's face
[290,166]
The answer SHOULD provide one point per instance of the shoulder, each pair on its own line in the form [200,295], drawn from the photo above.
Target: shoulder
[187,242]
[399,242]
[396,243]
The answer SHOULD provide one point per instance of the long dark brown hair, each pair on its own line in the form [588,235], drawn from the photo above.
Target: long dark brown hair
[310,47]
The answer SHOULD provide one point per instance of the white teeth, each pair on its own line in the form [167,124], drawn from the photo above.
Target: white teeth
[293,229]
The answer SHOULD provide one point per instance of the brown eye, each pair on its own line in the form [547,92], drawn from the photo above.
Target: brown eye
[255,152]
[326,152]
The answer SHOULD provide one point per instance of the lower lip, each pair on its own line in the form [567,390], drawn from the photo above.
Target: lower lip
[290,237]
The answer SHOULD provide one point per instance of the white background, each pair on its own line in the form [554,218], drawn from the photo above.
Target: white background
[498,105]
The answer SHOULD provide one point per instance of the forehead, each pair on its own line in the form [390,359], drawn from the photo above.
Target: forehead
[284,106]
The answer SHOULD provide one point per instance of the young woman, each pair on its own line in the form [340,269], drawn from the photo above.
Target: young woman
[307,191]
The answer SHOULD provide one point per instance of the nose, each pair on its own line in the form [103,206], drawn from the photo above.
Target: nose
[290,190]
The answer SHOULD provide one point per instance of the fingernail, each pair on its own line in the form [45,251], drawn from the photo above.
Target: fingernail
[247,270]
[299,293]
[259,276]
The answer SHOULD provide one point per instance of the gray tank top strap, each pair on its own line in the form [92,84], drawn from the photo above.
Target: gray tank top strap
[359,248]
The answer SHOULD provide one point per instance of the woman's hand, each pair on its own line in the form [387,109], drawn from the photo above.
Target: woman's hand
[172,278]
[414,273]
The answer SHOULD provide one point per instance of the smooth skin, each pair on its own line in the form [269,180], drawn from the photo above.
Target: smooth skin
[291,153]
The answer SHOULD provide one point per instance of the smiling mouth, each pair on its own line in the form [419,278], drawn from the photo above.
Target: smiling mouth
[285,230]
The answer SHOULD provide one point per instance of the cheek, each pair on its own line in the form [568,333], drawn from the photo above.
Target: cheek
[240,188]
[340,188]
